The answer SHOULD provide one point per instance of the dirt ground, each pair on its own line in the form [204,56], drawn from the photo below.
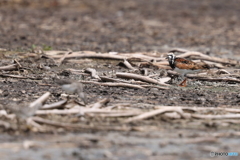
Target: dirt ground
[127,26]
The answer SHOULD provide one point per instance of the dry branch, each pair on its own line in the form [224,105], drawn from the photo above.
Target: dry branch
[114,84]
[154,113]
[93,73]
[123,114]
[108,79]
[215,65]
[9,67]
[101,103]
[79,126]
[75,71]
[138,77]
[227,116]
[213,79]
[160,65]
[152,86]
[195,109]
[32,123]
[201,140]
[90,55]
[55,105]
[19,76]
[128,65]
[40,101]
[55,111]
[208,58]
[82,110]
[18,64]
[63,57]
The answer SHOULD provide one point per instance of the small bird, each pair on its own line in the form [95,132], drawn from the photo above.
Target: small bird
[22,109]
[185,66]
[72,87]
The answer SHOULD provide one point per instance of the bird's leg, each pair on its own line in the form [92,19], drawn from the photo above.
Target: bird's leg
[183,83]
[82,96]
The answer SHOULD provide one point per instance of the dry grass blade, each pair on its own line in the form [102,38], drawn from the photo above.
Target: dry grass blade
[154,113]
[139,77]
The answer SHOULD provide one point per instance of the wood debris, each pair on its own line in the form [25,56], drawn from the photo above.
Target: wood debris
[141,72]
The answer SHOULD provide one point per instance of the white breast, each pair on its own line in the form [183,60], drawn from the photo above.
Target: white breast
[183,72]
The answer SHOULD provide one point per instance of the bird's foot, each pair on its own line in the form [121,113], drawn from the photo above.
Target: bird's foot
[183,83]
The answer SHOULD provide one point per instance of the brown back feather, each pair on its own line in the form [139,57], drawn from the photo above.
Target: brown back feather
[182,63]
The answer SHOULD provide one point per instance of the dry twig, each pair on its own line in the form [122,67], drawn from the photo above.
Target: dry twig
[19,76]
[139,77]
[121,114]
[107,79]
[154,113]
[9,67]
[63,57]
[84,54]
[208,58]
[152,86]
[55,105]
[114,84]
[101,103]
[213,79]
[79,126]
[128,65]
[93,73]
[40,101]
[227,116]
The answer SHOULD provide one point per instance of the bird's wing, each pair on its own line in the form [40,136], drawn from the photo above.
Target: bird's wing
[182,63]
